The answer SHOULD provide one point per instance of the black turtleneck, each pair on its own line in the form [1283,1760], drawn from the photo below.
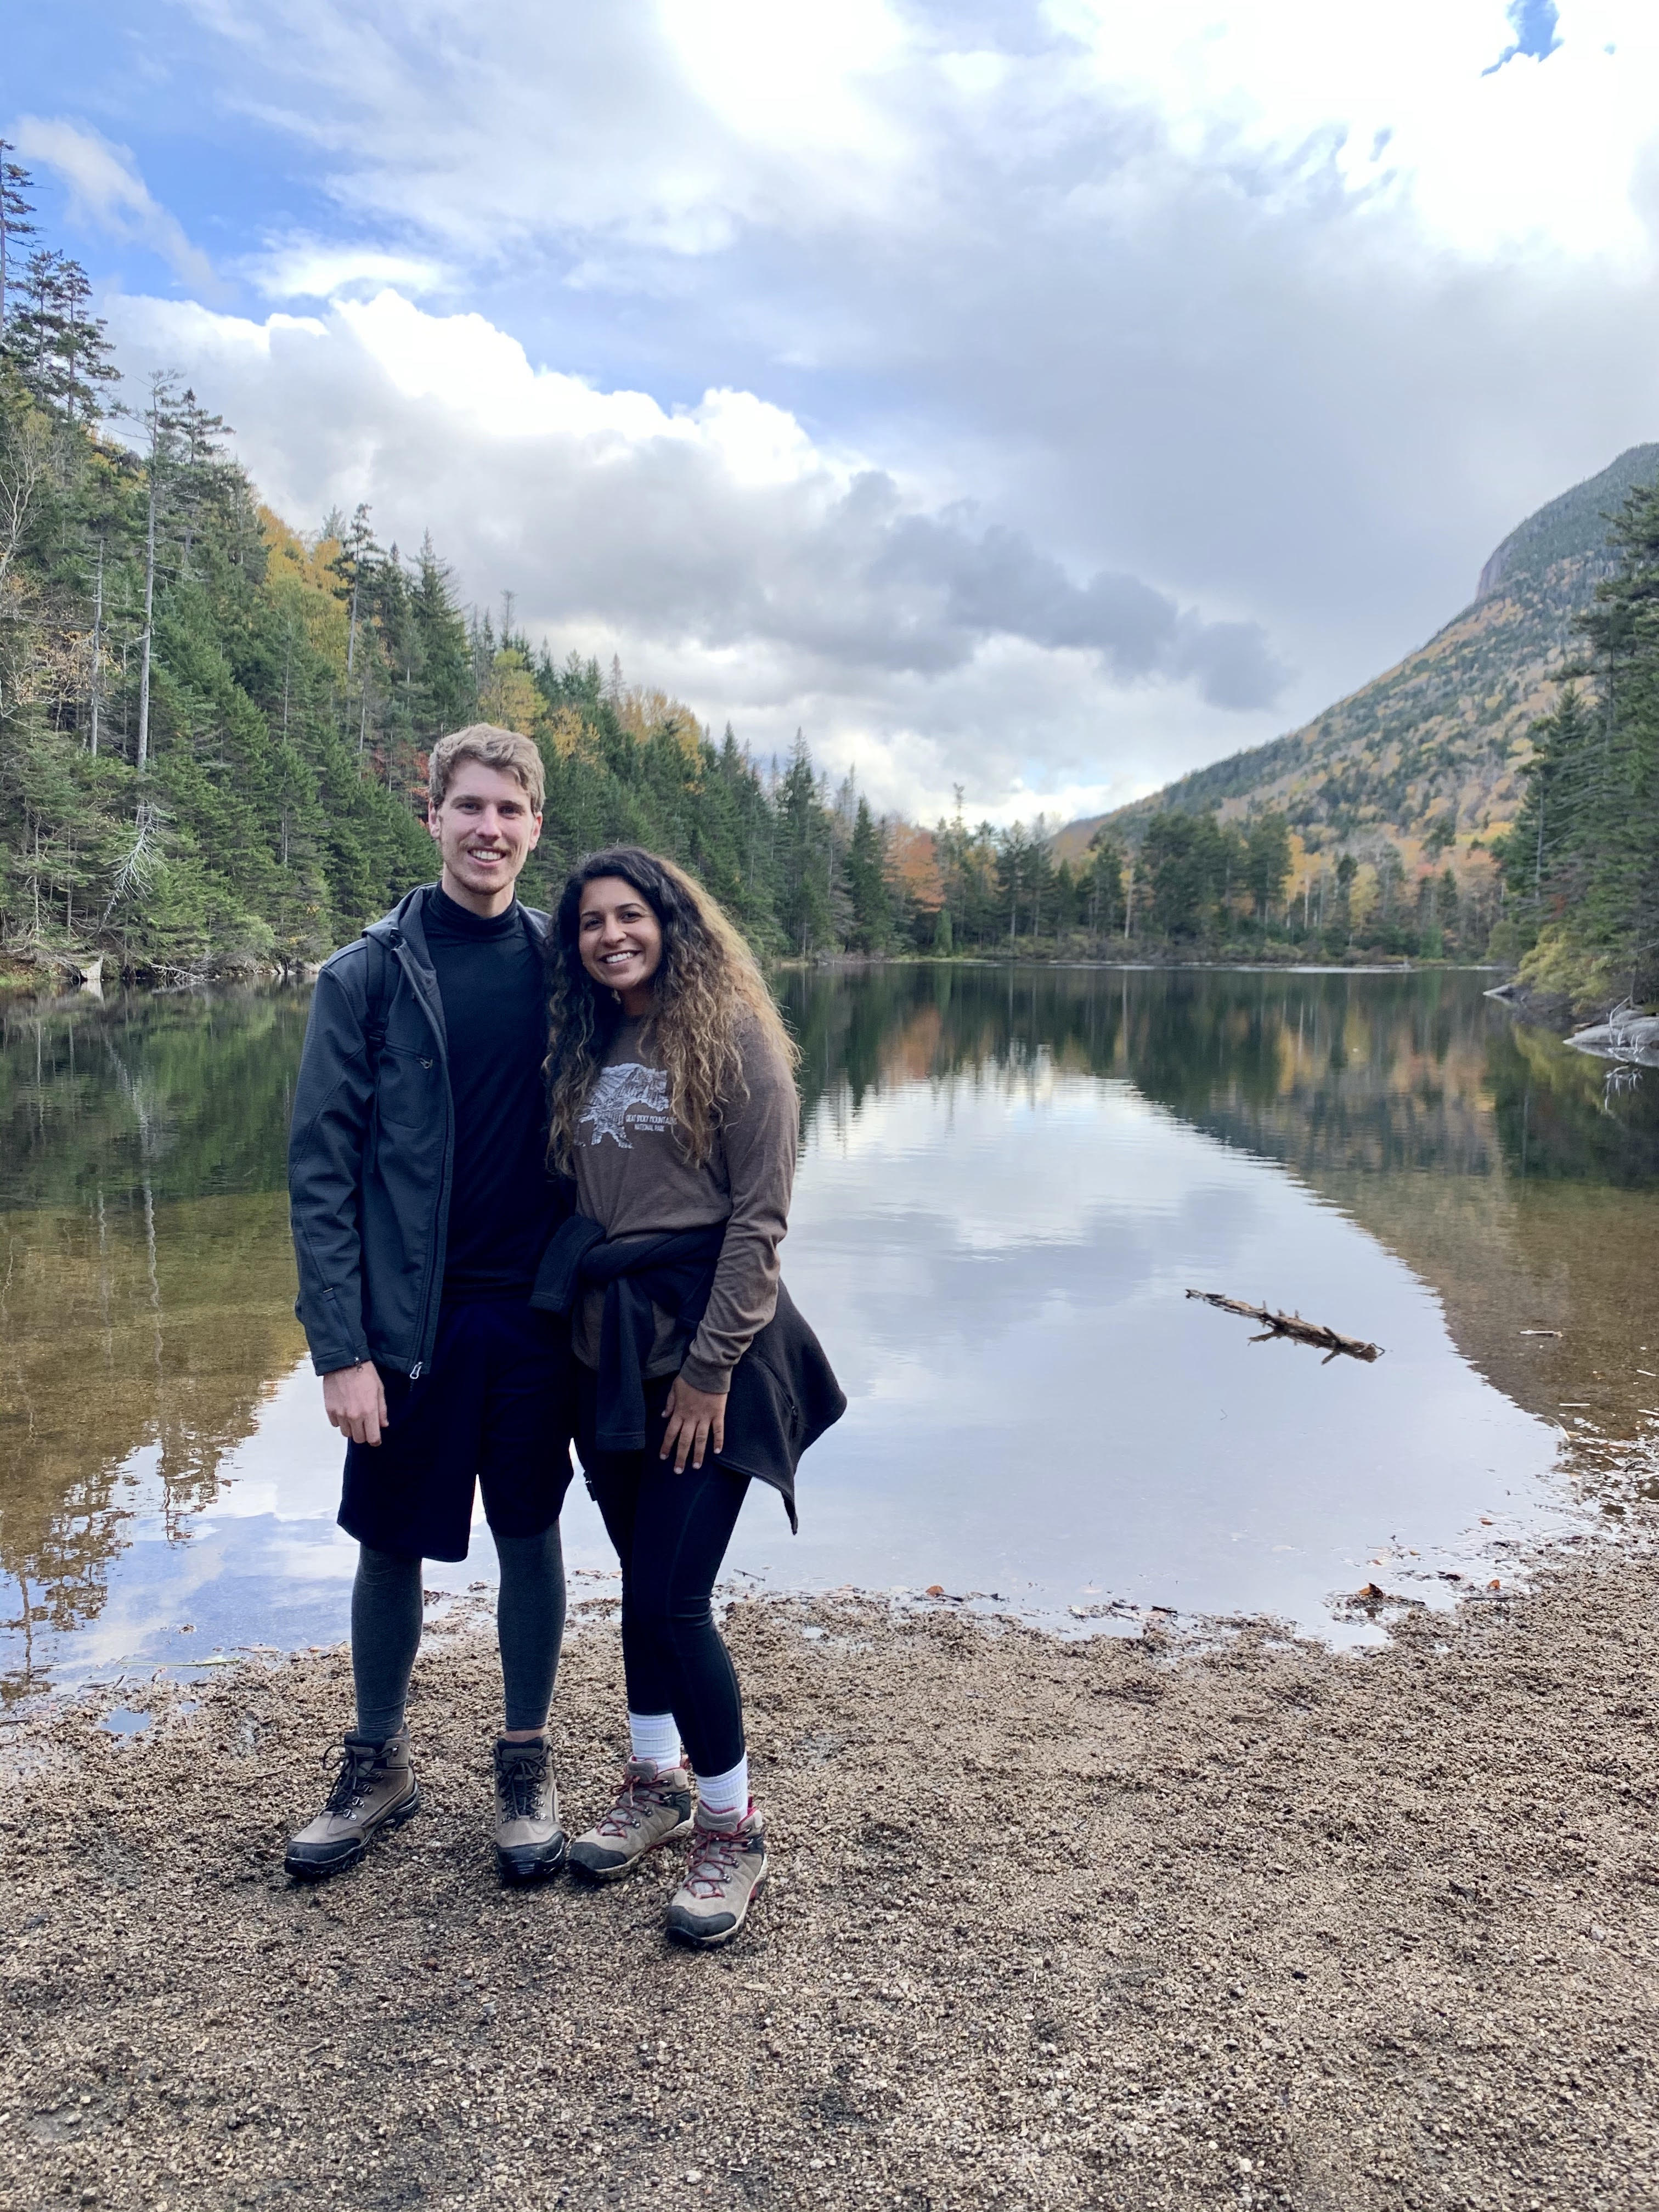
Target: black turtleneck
[501,1202]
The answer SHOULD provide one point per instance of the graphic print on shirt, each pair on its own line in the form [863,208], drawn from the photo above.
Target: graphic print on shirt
[628,1088]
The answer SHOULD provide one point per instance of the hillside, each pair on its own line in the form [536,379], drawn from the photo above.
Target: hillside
[1427,755]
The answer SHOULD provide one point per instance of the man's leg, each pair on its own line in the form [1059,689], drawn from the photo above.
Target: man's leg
[406,1500]
[530,1629]
[524,1465]
[375,1786]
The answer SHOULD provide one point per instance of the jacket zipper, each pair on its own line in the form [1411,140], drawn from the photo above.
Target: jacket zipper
[398,944]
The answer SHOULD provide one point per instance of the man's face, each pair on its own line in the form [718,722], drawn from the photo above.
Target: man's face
[485,832]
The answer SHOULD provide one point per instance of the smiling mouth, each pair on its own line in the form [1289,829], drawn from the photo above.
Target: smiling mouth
[619,959]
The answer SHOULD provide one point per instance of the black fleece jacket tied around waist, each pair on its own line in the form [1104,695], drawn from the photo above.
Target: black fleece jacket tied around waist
[784,1394]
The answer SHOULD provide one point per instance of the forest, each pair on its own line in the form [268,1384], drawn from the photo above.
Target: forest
[214,732]
[1581,862]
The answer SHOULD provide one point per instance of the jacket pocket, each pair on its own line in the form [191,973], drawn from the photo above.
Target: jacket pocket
[406,1087]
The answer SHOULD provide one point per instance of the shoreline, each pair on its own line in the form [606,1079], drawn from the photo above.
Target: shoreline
[62,981]
[1111,1920]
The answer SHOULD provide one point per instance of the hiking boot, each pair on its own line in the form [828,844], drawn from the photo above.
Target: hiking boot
[529,1842]
[652,1807]
[375,1789]
[728,1871]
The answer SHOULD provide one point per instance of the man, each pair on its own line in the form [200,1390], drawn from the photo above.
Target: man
[421,1204]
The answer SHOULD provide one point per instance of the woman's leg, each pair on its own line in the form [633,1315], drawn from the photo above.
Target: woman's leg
[613,1483]
[530,1625]
[683,1524]
[648,1658]
[652,1806]
[386,1634]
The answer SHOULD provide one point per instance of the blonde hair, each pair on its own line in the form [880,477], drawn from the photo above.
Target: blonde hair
[505,749]
[711,1002]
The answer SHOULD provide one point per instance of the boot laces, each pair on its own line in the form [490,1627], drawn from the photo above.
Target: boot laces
[636,1800]
[521,1777]
[714,1865]
[351,1783]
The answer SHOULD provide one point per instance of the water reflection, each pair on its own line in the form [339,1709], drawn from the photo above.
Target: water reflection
[1008,1177]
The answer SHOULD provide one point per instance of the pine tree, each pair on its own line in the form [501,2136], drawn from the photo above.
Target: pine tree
[15,224]
[803,833]
[59,348]
[866,884]
[1266,863]
[88,355]
[1103,886]
[445,692]
[1582,857]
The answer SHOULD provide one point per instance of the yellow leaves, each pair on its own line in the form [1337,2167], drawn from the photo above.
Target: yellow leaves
[300,580]
[509,697]
[564,730]
[1365,896]
[643,715]
[649,714]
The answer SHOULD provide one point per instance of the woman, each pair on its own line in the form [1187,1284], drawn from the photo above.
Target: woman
[673,1107]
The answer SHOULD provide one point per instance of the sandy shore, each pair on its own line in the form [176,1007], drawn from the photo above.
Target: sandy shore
[1102,1923]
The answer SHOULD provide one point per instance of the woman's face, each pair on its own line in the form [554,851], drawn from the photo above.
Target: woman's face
[620,940]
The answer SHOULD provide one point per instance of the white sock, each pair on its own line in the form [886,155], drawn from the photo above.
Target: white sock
[655,1736]
[725,1793]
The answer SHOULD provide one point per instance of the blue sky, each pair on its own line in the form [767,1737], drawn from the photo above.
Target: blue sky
[1041,397]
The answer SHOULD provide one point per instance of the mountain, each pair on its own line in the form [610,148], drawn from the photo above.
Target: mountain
[1427,755]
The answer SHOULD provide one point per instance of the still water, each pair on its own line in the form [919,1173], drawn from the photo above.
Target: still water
[1009,1180]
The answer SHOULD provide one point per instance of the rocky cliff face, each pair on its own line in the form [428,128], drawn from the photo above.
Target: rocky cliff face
[1426,756]
[1572,528]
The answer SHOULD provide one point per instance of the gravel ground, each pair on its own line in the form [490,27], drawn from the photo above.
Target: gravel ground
[1110,1922]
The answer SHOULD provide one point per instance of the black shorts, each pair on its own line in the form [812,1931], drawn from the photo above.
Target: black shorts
[495,1406]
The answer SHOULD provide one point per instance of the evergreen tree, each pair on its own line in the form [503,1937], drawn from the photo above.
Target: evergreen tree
[1185,858]
[58,347]
[15,225]
[1583,857]
[803,855]
[866,884]
[1102,897]
[441,670]
[1267,862]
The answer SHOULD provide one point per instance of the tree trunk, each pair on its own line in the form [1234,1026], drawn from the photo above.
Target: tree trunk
[150,608]
[97,644]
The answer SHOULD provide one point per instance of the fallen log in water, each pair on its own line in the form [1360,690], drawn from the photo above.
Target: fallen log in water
[1330,1341]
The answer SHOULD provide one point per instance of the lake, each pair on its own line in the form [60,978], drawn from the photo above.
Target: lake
[1009,1180]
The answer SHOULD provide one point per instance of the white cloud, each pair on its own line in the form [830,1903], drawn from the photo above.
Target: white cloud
[1545,151]
[106,191]
[301,268]
[996,307]
[678,124]
[714,546]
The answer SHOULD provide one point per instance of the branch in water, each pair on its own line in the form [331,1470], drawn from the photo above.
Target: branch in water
[1330,1341]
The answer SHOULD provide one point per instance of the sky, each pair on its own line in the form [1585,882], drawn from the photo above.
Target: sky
[1037,396]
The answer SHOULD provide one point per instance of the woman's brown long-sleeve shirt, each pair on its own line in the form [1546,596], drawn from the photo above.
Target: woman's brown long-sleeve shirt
[633,1176]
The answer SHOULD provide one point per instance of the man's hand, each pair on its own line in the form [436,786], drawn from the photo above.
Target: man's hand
[354,1398]
[696,1419]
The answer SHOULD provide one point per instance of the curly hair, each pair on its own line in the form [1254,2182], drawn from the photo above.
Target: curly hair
[711,999]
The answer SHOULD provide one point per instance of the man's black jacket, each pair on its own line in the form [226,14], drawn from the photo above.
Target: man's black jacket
[371,1151]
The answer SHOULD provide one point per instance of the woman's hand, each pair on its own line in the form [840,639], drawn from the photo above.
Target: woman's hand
[696,1419]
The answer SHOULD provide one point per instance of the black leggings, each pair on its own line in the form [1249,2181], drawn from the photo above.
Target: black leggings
[671,1532]
[386,1631]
